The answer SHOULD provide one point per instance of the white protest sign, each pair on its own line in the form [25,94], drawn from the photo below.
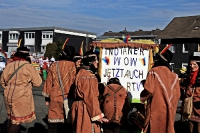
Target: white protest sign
[130,65]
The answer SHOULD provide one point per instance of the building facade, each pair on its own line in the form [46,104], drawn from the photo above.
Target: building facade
[37,38]
[184,35]
[134,35]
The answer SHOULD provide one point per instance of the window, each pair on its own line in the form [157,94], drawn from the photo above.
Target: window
[185,65]
[30,35]
[0,36]
[172,49]
[198,48]
[185,48]
[47,35]
[13,36]
[172,66]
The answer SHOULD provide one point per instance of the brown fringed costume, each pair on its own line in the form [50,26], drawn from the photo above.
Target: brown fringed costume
[18,91]
[53,91]
[119,99]
[192,83]
[162,91]
[86,109]
[116,106]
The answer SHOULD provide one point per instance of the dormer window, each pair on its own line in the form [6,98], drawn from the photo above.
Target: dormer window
[13,36]
[29,35]
[47,35]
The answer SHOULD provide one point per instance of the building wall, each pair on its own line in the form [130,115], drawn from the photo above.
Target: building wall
[38,44]
[1,37]
[74,41]
[38,40]
[179,57]
[5,40]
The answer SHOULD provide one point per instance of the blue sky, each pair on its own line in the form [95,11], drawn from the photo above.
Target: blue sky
[96,16]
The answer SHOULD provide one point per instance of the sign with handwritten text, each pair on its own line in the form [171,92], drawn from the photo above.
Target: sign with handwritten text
[130,65]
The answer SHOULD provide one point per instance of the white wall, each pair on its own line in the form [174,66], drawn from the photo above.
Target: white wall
[29,42]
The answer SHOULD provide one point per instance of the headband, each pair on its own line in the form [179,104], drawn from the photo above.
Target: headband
[91,55]
[78,57]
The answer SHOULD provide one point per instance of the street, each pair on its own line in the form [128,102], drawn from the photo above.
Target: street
[41,124]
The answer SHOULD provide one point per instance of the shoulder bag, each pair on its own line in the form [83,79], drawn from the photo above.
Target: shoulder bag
[66,102]
[188,106]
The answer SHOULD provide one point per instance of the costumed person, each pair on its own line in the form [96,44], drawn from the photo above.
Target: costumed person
[161,92]
[115,105]
[86,113]
[193,88]
[52,88]
[17,79]
[101,86]
[182,79]
[44,70]
[52,60]
[78,60]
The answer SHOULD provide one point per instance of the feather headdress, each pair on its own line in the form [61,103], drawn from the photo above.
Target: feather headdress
[65,43]
[165,49]
[19,43]
[81,49]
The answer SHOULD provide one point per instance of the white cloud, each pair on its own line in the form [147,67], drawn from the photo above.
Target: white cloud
[94,15]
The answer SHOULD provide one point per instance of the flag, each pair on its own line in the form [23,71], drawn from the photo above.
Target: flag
[19,43]
[165,49]
[65,43]
[81,49]
[126,39]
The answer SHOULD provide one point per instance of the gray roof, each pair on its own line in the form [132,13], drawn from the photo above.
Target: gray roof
[133,33]
[46,28]
[182,27]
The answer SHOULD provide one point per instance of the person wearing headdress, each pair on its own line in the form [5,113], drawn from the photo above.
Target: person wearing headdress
[52,88]
[17,80]
[192,87]
[115,105]
[86,113]
[161,92]
[78,60]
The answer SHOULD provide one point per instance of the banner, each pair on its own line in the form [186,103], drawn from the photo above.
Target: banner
[129,64]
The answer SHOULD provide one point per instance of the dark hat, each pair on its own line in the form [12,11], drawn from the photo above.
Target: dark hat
[23,49]
[77,57]
[167,56]
[22,52]
[67,53]
[69,50]
[114,81]
[194,58]
[89,57]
